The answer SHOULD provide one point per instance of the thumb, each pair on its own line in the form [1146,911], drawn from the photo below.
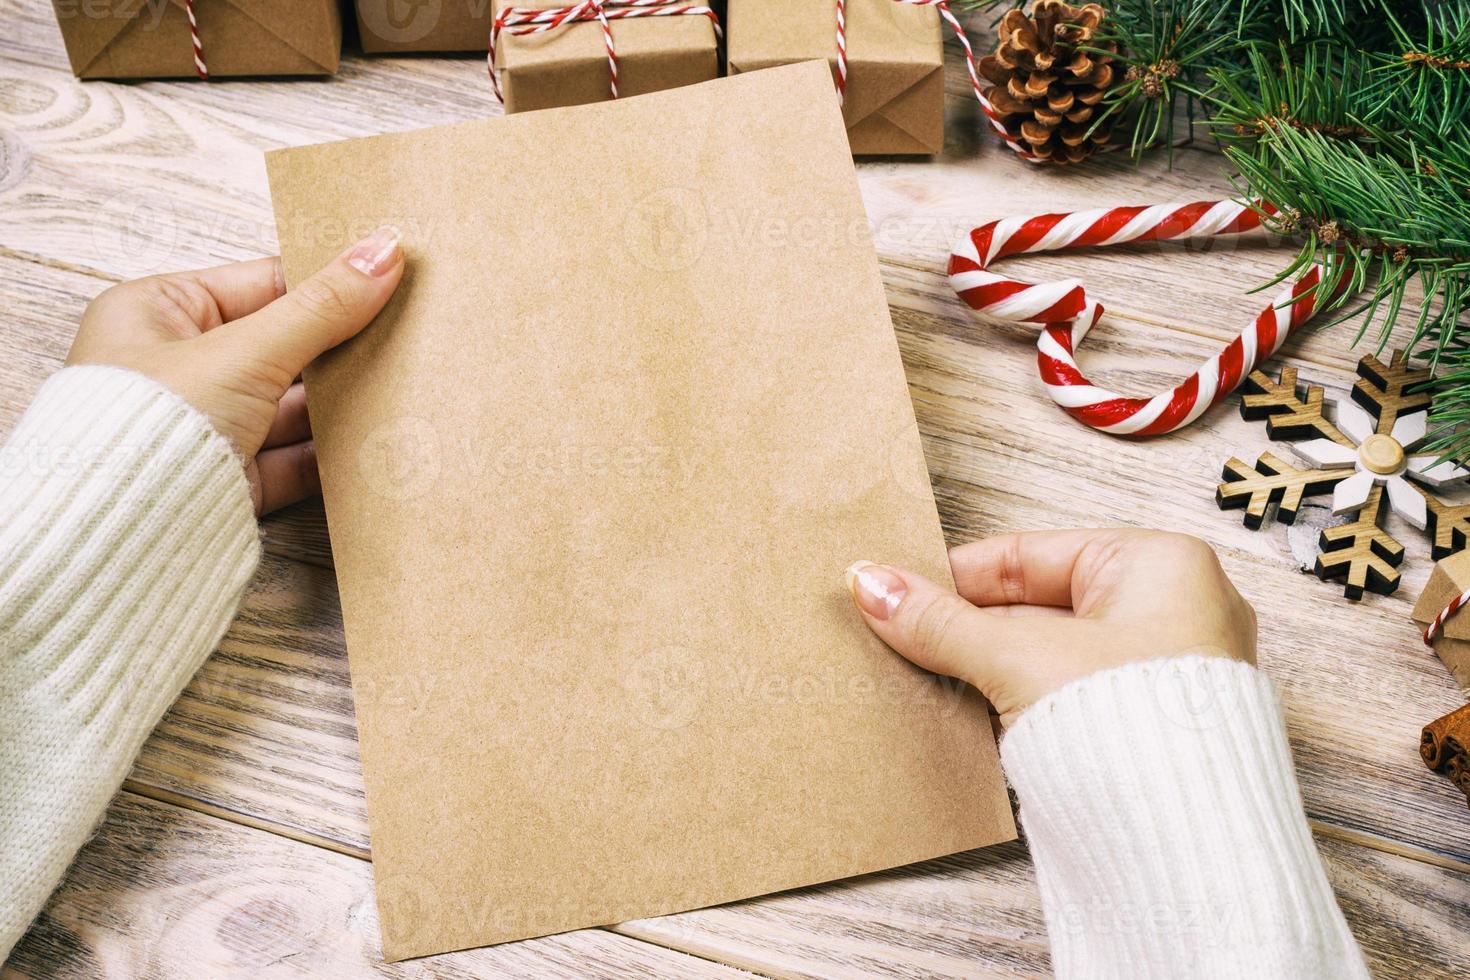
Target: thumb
[929,625]
[325,310]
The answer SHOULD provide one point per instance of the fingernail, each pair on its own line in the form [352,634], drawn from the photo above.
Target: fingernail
[376,253]
[878,590]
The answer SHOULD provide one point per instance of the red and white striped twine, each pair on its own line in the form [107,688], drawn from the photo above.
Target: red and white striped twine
[534,20]
[199,65]
[1021,149]
[1433,630]
[1067,312]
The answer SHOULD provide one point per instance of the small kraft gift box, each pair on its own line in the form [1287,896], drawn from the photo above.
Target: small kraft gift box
[892,76]
[204,38]
[387,26]
[547,54]
[1439,609]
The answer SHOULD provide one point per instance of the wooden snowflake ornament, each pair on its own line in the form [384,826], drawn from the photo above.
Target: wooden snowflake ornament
[1364,456]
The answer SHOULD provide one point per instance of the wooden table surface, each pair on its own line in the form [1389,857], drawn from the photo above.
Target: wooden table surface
[239,845]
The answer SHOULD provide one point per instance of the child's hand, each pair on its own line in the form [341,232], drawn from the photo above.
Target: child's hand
[231,342]
[1042,609]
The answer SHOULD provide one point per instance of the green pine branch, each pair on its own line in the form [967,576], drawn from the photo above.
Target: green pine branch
[1352,118]
[1424,75]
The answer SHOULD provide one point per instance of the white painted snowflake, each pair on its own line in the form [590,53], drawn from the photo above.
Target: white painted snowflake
[1381,459]
[1366,456]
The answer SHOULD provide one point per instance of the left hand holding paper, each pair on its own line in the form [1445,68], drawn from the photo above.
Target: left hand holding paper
[232,342]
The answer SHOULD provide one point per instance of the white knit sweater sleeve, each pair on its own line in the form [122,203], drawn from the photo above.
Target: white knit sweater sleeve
[127,537]
[1162,812]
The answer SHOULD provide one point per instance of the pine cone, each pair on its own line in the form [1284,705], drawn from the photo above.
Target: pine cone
[1046,90]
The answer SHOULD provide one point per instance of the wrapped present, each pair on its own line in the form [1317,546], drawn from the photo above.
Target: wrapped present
[891,72]
[1447,627]
[395,25]
[545,54]
[184,38]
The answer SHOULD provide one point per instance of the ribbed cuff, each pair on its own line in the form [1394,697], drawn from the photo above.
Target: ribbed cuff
[1162,812]
[127,537]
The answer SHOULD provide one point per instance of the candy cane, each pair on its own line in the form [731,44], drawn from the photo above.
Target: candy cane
[991,114]
[194,39]
[1067,312]
[538,20]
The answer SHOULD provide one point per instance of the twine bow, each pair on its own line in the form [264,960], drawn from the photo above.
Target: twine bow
[520,21]
[1025,152]
[1432,631]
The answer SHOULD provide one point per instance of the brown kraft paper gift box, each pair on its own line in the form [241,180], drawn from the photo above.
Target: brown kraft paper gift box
[1450,577]
[569,65]
[592,479]
[150,38]
[423,25]
[895,59]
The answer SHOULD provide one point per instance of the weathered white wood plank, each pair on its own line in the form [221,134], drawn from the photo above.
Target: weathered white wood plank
[976,914]
[163,892]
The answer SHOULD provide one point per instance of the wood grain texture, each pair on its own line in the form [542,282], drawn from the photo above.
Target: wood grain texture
[975,914]
[164,892]
[103,182]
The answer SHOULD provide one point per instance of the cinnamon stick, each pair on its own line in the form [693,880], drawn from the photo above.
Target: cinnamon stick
[1443,746]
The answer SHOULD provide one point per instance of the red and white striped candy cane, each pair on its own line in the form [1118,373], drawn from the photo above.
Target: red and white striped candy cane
[537,20]
[1022,150]
[194,39]
[1067,312]
[1444,615]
